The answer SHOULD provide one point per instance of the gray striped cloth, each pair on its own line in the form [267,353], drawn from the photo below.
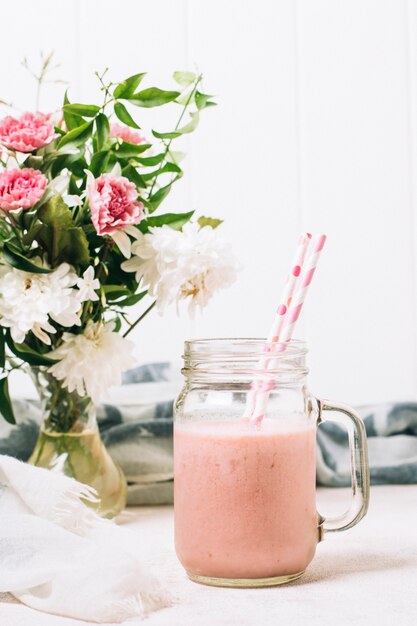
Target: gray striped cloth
[138,435]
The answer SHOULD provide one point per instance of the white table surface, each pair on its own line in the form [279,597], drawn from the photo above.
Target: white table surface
[364,576]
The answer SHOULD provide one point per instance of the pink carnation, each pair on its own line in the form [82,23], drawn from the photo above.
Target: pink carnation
[26,133]
[126,133]
[113,203]
[21,189]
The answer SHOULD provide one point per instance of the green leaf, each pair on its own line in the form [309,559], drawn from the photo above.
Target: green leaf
[2,350]
[6,408]
[172,135]
[153,160]
[35,162]
[192,124]
[26,218]
[58,130]
[124,116]
[56,213]
[74,247]
[187,97]
[114,292]
[103,130]
[202,100]
[88,110]
[184,78]
[173,220]
[73,189]
[128,87]
[146,203]
[175,156]
[32,233]
[160,195]
[6,231]
[77,136]
[117,324]
[131,300]
[14,258]
[64,241]
[133,175]
[167,168]
[27,354]
[209,221]
[128,150]
[188,128]
[112,288]
[99,162]
[59,164]
[75,163]
[71,121]
[153,97]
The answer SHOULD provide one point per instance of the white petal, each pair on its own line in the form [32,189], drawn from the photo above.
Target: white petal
[123,242]
[117,170]
[72,200]
[60,183]
[132,265]
[101,356]
[92,295]
[89,274]
[90,180]
[40,334]
[133,231]
[17,335]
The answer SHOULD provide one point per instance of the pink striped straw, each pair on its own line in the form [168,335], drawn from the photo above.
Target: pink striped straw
[280,313]
[290,321]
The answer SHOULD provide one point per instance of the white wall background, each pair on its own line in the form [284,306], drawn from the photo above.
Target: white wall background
[316,129]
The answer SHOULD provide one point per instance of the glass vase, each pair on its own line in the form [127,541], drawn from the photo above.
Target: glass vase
[69,442]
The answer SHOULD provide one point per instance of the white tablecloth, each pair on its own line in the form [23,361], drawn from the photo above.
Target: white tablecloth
[364,576]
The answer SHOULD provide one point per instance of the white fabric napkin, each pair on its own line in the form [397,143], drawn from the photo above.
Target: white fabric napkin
[58,556]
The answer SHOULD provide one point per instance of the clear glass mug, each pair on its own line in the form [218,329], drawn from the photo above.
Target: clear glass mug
[245,493]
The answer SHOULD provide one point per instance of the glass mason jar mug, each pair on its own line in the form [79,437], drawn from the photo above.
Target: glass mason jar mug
[245,490]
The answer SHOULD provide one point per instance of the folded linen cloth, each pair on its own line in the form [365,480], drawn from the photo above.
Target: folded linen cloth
[58,556]
[137,430]
[392,443]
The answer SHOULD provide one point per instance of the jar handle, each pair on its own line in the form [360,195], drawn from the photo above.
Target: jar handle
[358,448]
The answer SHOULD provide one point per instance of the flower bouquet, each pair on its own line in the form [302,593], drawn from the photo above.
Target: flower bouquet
[82,241]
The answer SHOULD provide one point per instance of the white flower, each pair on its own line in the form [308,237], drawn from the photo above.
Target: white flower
[88,285]
[28,300]
[91,362]
[191,264]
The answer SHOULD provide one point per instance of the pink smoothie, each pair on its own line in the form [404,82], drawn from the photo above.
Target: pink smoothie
[245,500]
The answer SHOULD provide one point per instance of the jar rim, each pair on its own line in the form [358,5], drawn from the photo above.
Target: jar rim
[244,346]
[244,359]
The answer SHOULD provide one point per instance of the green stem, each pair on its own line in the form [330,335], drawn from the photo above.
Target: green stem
[41,77]
[40,450]
[38,92]
[54,247]
[105,89]
[63,447]
[8,216]
[108,245]
[129,330]
[13,365]
[14,225]
[168,145]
